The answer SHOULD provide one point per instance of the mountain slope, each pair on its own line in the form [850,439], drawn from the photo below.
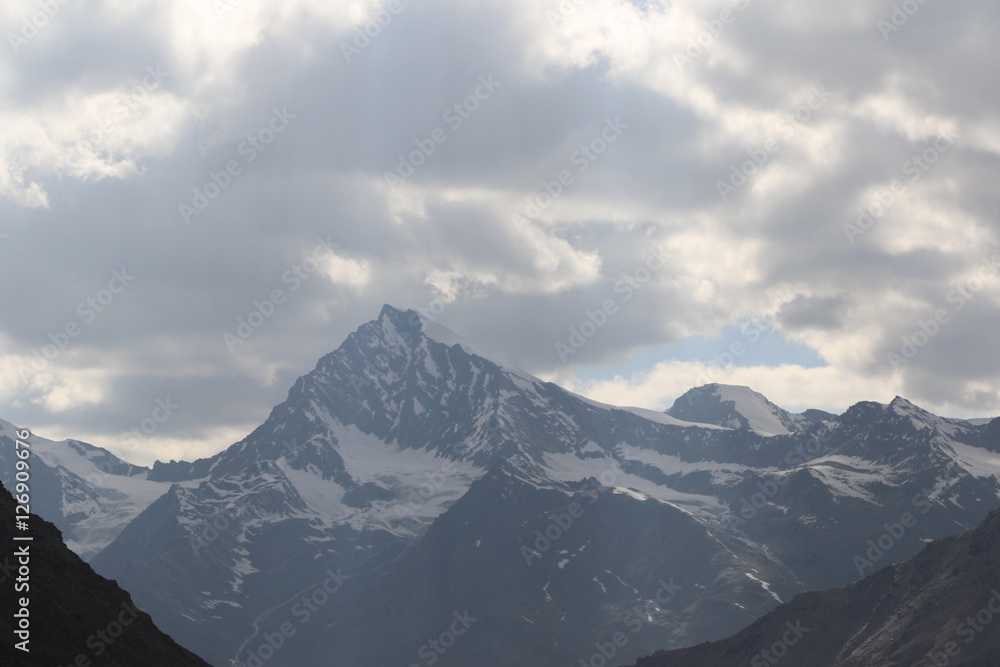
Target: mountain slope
[567,568]
[353,476]
[87,492]
[941,607]
[738,407]
[73,611]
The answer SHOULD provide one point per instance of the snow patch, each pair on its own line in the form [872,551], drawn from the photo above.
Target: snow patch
[630,493]
[568,467]
[757,410]
[766,586]
[423,483]
[119,498]
[978,462]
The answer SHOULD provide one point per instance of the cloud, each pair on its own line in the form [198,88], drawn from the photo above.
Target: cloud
[782,161]
[790,386]
[814,312]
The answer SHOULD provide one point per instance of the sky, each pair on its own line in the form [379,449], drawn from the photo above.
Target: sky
[198,199]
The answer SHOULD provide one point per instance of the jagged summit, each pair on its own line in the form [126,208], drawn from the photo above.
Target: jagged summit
[906,407]
[903,416]
[411,325]
[414,326]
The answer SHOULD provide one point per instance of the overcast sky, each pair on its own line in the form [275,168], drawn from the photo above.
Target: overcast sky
[797,196]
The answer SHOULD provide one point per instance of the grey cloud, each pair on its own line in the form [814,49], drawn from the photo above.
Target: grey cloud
[323,177]
[814,312]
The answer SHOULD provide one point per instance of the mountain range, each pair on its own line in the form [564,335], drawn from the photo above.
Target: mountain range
[413,502]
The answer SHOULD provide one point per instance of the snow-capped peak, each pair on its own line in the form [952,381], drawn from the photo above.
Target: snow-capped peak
[405,324]
[906,408]
[736,406]
[763,415]
[920,418]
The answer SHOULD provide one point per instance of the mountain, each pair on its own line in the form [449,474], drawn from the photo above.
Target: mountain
[410,488]
[87,492]
[941,607]
[741,408]
[390,437]
[74,616]
[545,572]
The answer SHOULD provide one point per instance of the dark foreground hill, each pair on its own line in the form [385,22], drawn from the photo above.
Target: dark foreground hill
[76,616]
[939,608]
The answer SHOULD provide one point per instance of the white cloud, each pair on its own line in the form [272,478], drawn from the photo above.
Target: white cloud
[349,272]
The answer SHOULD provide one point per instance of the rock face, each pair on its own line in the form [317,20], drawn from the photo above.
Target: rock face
[408,485]
[76,617]
[941,607]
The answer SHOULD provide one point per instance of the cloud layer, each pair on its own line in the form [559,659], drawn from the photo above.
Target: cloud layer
[659,170]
